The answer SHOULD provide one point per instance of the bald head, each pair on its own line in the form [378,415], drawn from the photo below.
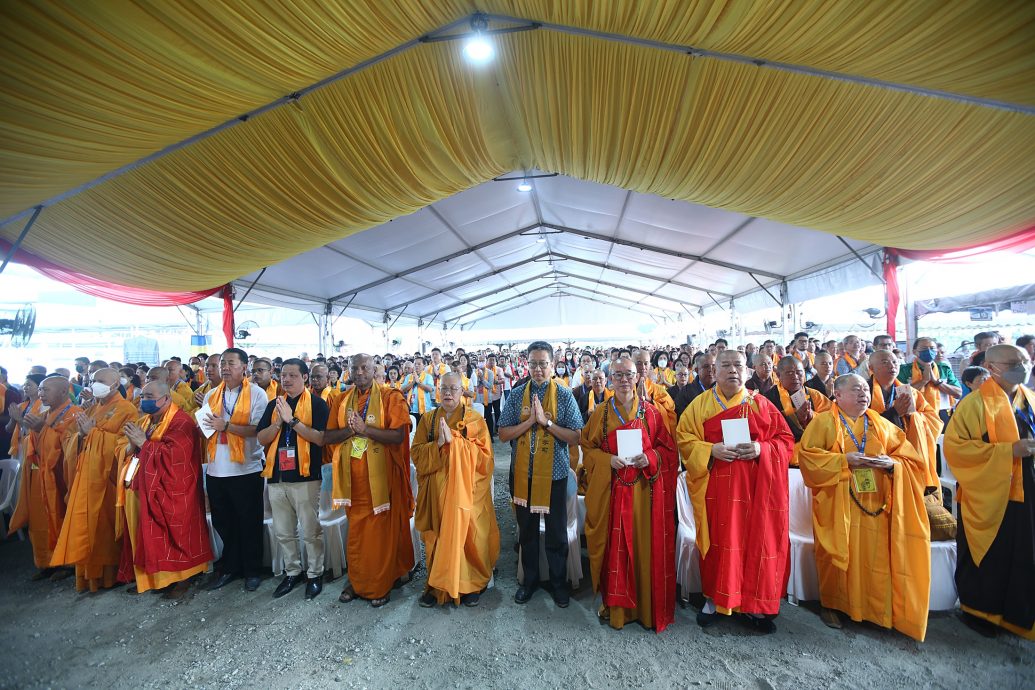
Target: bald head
[362,370]
[54,391]
[155,390]
[1006,354]
[158,374]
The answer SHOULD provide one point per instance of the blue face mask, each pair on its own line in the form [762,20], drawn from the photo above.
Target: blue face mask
[149,406]
[927,356]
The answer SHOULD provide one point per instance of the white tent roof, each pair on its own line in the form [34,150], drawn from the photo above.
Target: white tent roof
[492,249]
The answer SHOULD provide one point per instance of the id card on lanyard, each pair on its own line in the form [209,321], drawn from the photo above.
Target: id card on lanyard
[222,438]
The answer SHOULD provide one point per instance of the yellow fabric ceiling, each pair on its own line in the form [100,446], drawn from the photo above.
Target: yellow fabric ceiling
[90,87]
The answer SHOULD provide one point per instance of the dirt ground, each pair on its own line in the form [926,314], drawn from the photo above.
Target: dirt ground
[53,637]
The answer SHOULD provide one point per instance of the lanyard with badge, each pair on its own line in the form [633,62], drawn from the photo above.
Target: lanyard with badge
[359,443]
[222,440]
[863,478]
[286,460]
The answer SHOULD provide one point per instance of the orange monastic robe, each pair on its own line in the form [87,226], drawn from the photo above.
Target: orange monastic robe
[658,394]
[922,427]
[455,515]
[87,537]
[46,475]
[379,547]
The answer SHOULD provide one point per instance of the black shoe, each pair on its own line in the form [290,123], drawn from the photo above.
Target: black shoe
[313,587]
[427,600]
[707,620]
[286,585]
[766,626]
[251,583]
[561,596]
[220,580]
[470,599]
[979,625]
[523,594]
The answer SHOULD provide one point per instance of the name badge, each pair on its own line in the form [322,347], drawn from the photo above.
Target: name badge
[865,481]
[286,459]
[359,447]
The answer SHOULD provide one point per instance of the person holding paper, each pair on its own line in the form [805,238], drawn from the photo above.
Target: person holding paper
[453,455]
[906,408]
[372,482]
[990,445]
[798,404]
[159,491]
[873,540]
[631,467]
[291,429]
[738,487]
[87,539]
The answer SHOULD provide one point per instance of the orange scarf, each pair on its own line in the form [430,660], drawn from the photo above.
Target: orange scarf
[241,416]
[850,360]
[30,446]
[930,391]
[272,390]
[304,414]
[591,405]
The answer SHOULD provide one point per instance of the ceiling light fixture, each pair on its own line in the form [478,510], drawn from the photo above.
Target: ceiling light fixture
[524,186]
[478,49]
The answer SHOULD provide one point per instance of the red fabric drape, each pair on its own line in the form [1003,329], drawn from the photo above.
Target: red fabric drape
[1018,242]
[228,314]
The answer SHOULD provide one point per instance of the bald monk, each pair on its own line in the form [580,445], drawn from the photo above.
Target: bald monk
[630,507]
[179,385]
[166,541]
[262,376]
[47,473]
[654,393]
[319,384]
[990,447]
[372,482]
[87,538]
[19,430]
[453,455]
[739,494]
[162,375]
[790,375]
[873,541]
[906,408]
[212,379]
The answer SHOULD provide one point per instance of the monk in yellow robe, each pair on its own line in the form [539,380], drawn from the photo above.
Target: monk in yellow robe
[162,375]
[319,384]
[653,392]
[873,540]
[790,374]
[180,386]
[372,482]
[990,447]
[906,408]
[630,507]
[165,538]
[213,378]
[87,538]
[47,472]
[453,455]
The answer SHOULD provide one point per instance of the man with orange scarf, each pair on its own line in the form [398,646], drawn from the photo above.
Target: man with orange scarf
[739,494]
[873,541]
[372,482]
[292,429]
[933,379]
[630,507]
[235,483]
[990,447]
[798,409]
[47,472]
[87,539]
[166,541]
[452,452]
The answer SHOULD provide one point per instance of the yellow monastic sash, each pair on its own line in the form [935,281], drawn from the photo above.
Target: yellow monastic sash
[362,449]
[542,463]
[242,416]
[156,435]
[1002,426]
[592,404]
[304,413]
[931,393]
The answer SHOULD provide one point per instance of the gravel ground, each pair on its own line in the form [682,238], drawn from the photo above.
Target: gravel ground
[53,637]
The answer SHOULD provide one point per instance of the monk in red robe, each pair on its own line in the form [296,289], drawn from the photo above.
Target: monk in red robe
[630,507]
[168,540]
[738,487]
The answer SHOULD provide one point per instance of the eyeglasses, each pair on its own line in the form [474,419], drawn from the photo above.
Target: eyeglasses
[623,375]
[538,365]
[451,389]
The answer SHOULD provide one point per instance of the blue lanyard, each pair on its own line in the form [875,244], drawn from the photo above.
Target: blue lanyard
[230,416]
[61,414]
[718,399]
[866,429]
[891,399]
[614,407]
[1028,417]
[366,406]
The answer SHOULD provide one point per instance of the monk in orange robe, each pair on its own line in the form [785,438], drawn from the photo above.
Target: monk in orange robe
[790,373]
[87,538]
[630,508]
[47,473]
[372,482]
[212,379]
[655,393]
[452,452]
[166,539]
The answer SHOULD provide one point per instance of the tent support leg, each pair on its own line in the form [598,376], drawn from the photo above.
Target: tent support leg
[21,237]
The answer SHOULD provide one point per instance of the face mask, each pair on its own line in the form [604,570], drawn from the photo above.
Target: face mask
[124,381]
[662,362]
[149,406]
[99,389]
[927,356]
[80,368]
[560,371]
[1015,375]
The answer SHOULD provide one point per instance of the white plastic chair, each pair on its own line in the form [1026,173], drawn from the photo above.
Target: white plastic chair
[9,479]
[335,526]
[479,408]
[574,560]
[943,576]
[947,479]
[688,558]
[214,540]
[803,583]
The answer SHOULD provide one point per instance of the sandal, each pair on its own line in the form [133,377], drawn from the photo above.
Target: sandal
[378,603]
[347,594]
[406,579]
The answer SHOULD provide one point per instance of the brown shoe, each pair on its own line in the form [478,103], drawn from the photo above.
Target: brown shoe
[62,574]
[830,618]
[177,591]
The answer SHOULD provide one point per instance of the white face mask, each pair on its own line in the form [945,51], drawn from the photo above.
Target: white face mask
[124,381]
[662,362]
[99,389]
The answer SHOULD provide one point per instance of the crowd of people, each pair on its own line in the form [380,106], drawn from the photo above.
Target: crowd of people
[120,463]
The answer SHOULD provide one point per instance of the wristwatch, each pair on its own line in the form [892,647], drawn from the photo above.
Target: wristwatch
[293,422]
[549,423]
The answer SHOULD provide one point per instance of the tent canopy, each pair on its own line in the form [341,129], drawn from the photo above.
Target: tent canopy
[179,146]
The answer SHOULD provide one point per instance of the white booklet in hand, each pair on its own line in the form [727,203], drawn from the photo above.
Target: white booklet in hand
[200,415]
[630,444]
[799,398]
[735,431]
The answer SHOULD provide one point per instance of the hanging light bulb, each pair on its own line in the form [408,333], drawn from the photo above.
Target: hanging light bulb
[478,49]
[524,186]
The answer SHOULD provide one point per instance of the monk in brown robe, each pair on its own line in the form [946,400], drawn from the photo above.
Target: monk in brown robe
[372,482]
